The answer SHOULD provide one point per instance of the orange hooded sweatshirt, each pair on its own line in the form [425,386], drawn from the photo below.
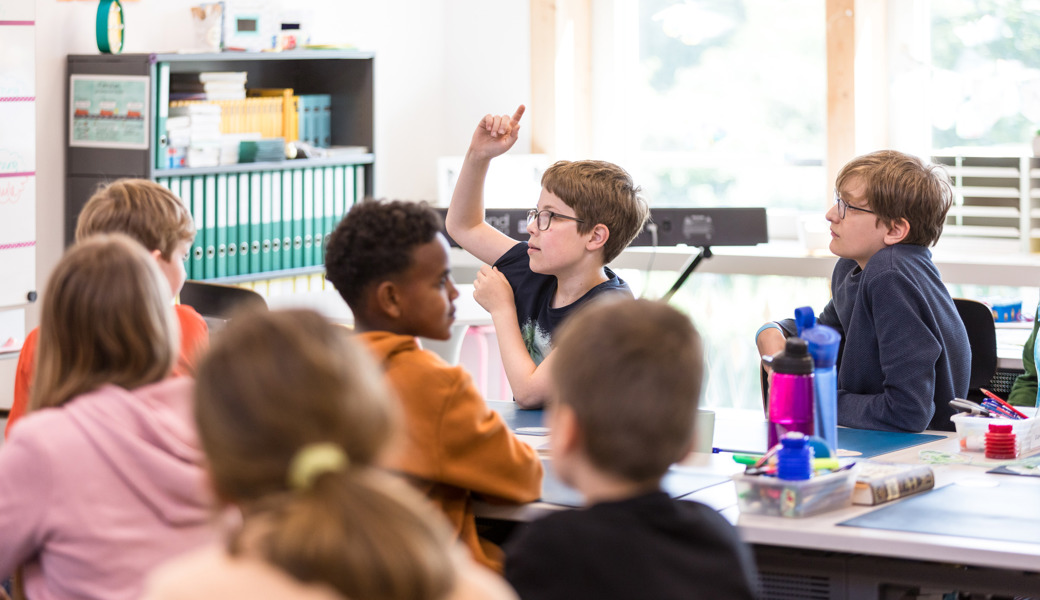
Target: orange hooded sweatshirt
[454,446]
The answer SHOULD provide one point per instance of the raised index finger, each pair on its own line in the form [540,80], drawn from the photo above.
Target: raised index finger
[519,113]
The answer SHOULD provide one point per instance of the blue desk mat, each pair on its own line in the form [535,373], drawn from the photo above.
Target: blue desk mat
[752,438]
[1006,512]
[678,482]
[517,417]
[872,443]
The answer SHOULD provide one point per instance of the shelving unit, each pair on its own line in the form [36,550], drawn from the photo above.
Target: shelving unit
[996,196]
[285,237]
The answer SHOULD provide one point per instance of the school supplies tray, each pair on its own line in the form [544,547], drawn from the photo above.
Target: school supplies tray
[971,433]
[771,496]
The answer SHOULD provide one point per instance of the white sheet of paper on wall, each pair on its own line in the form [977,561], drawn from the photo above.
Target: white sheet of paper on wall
[17,69]
[17,137]
[12,329]
[17,10]
[17,209]
[17,239]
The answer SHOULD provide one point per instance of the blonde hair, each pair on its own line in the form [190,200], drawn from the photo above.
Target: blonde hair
[600,192]
[635,403]
[106,319]
[278,385]
[141,209]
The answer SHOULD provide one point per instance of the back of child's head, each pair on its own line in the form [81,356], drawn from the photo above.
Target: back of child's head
[293,416]
[635,398]
[901,186]
[106,318]
[375,242]
[141,209]
[600,192]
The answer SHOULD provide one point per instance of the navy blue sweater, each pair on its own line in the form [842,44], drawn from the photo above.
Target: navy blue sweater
[905,351]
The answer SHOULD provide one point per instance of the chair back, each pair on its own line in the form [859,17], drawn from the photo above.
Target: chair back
[215,302]
[982,339]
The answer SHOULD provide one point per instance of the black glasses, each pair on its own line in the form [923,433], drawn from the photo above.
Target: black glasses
[545,217]
[843,206]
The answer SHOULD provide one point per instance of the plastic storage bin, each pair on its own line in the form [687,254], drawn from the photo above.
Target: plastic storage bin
[761,495]
[971,433]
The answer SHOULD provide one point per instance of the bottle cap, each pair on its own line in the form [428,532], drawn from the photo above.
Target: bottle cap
[804,318]
[1000,428]
[824,343]
[794,360]
[794,459]
[794,439]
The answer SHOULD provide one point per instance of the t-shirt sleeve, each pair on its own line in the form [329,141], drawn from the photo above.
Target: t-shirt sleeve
[514,264]
[23,380]
[194,339]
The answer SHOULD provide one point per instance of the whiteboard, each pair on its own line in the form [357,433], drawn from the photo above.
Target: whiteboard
[17,159]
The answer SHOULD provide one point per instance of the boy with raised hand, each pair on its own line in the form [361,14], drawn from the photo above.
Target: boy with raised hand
[389,262]
[905,351]
[619,419]
[152,215]
[587,213]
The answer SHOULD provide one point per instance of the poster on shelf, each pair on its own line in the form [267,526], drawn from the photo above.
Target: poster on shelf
[108,111]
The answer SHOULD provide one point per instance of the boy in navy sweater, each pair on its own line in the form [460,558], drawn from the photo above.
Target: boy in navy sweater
[904,351]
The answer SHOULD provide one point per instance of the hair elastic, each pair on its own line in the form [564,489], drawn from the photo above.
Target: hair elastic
[314,460]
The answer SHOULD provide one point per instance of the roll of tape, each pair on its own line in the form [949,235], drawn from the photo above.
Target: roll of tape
[109,26]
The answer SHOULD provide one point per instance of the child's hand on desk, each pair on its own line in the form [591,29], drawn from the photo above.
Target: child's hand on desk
[492,291]
[495,134]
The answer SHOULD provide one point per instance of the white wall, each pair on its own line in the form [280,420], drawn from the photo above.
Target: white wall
[440,66]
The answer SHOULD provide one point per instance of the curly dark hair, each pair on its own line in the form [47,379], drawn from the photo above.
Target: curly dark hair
[374,242]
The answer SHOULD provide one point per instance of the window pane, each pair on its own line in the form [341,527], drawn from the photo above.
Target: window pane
[730,105]
[985,72]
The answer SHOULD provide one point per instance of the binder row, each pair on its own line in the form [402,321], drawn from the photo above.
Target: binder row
[249,115]
[264,221]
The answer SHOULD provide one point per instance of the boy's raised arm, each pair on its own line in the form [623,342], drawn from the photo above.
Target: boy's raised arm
[493,136]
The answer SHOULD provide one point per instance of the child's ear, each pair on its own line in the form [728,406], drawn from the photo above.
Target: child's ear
[597,237]
[388,300]
[897,232]
[566,435]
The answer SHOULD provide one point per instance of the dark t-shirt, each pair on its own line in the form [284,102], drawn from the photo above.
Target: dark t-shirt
[645,547]
[533,294]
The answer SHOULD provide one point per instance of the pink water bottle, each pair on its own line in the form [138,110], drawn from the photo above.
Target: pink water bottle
[791,391]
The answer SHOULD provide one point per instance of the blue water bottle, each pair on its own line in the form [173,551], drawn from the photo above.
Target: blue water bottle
[823,342]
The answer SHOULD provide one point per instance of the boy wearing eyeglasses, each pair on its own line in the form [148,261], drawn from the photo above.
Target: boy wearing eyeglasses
[587,213]
[904,351]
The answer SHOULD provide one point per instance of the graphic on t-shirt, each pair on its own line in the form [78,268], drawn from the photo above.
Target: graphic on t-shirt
[537,340]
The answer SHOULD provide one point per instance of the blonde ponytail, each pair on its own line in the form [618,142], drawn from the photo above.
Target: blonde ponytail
[293,417]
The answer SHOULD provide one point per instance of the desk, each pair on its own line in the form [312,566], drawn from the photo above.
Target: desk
[329,303]
[814,557]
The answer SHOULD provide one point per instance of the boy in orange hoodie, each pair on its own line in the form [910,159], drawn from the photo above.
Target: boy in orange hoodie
[389,262]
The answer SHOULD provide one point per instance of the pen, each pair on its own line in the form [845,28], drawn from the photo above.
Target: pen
[971,407]
[995,408]
[996,398]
